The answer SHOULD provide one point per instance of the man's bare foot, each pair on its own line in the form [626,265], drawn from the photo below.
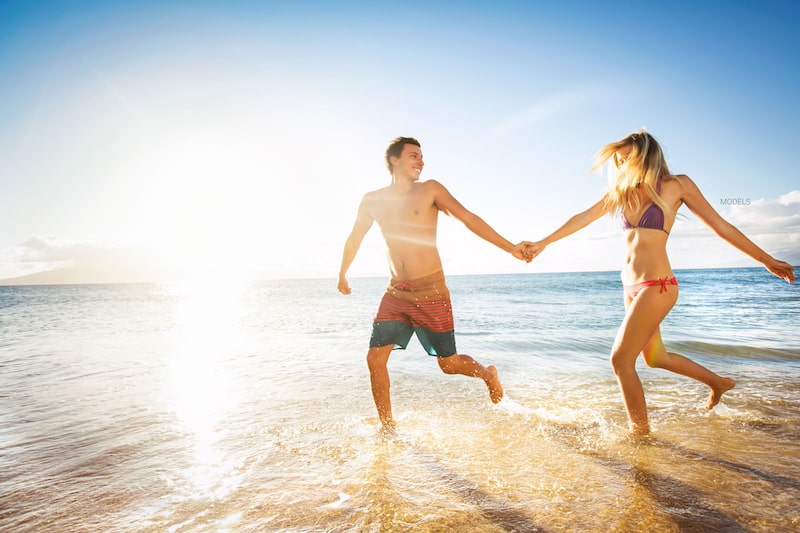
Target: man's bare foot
[388,429]
[493,382]
[715,396]
[640,430]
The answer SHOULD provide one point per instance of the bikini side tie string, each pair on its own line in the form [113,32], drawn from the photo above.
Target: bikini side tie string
[664,281]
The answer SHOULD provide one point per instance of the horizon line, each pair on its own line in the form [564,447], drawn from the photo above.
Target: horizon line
[9,281]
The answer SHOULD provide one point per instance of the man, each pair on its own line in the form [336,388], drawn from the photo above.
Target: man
[417,299]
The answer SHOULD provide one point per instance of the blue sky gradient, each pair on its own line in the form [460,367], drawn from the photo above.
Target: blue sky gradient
[151,140]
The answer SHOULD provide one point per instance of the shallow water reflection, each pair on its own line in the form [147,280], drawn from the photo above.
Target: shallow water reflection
[203,408]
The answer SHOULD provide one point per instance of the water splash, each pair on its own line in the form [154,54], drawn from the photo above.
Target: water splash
[511,407]
[338,503]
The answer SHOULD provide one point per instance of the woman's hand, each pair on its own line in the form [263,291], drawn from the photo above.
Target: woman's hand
[781,269]
[532,249]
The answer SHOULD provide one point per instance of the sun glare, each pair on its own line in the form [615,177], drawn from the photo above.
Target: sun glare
[208,206]
[199,389]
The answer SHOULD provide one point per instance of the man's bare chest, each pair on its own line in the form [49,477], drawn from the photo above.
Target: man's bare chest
[406,212]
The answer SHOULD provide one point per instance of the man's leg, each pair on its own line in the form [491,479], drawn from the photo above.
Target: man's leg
[377,359]
[467,366]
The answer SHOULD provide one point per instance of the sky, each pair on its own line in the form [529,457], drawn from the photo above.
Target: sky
[147,141]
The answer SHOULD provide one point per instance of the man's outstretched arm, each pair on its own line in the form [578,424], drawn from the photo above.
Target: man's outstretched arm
[447,203]
[353,243]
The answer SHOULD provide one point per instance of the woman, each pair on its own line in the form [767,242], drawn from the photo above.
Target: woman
[647,197]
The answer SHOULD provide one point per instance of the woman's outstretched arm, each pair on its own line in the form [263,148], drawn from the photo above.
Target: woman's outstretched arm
[575,223]
[697,203]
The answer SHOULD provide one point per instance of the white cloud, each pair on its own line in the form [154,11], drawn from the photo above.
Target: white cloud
[790,198]
[36,254]
[767,216]
[54,260]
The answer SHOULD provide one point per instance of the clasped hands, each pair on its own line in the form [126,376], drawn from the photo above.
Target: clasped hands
[527,250]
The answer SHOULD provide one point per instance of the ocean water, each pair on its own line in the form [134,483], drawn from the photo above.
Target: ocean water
[221,407]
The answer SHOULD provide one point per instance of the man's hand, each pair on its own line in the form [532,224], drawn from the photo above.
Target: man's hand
[520,251]
[533,249]
[343,286]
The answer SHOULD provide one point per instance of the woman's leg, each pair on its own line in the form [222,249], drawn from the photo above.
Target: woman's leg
[644,314]
[656,356]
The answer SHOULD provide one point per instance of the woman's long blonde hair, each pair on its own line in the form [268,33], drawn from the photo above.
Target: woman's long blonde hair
[642,169]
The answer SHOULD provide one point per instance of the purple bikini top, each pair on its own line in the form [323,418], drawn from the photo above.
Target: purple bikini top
[652,218]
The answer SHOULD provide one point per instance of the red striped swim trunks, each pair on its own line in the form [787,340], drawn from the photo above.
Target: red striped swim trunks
[420,306]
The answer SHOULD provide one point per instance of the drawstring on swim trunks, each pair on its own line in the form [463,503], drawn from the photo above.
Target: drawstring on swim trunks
[405,286]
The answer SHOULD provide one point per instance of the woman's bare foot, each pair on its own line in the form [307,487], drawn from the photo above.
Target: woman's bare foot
[493,382]
[715,396]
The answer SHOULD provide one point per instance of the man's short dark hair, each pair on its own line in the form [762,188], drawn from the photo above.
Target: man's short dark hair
[396,148]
